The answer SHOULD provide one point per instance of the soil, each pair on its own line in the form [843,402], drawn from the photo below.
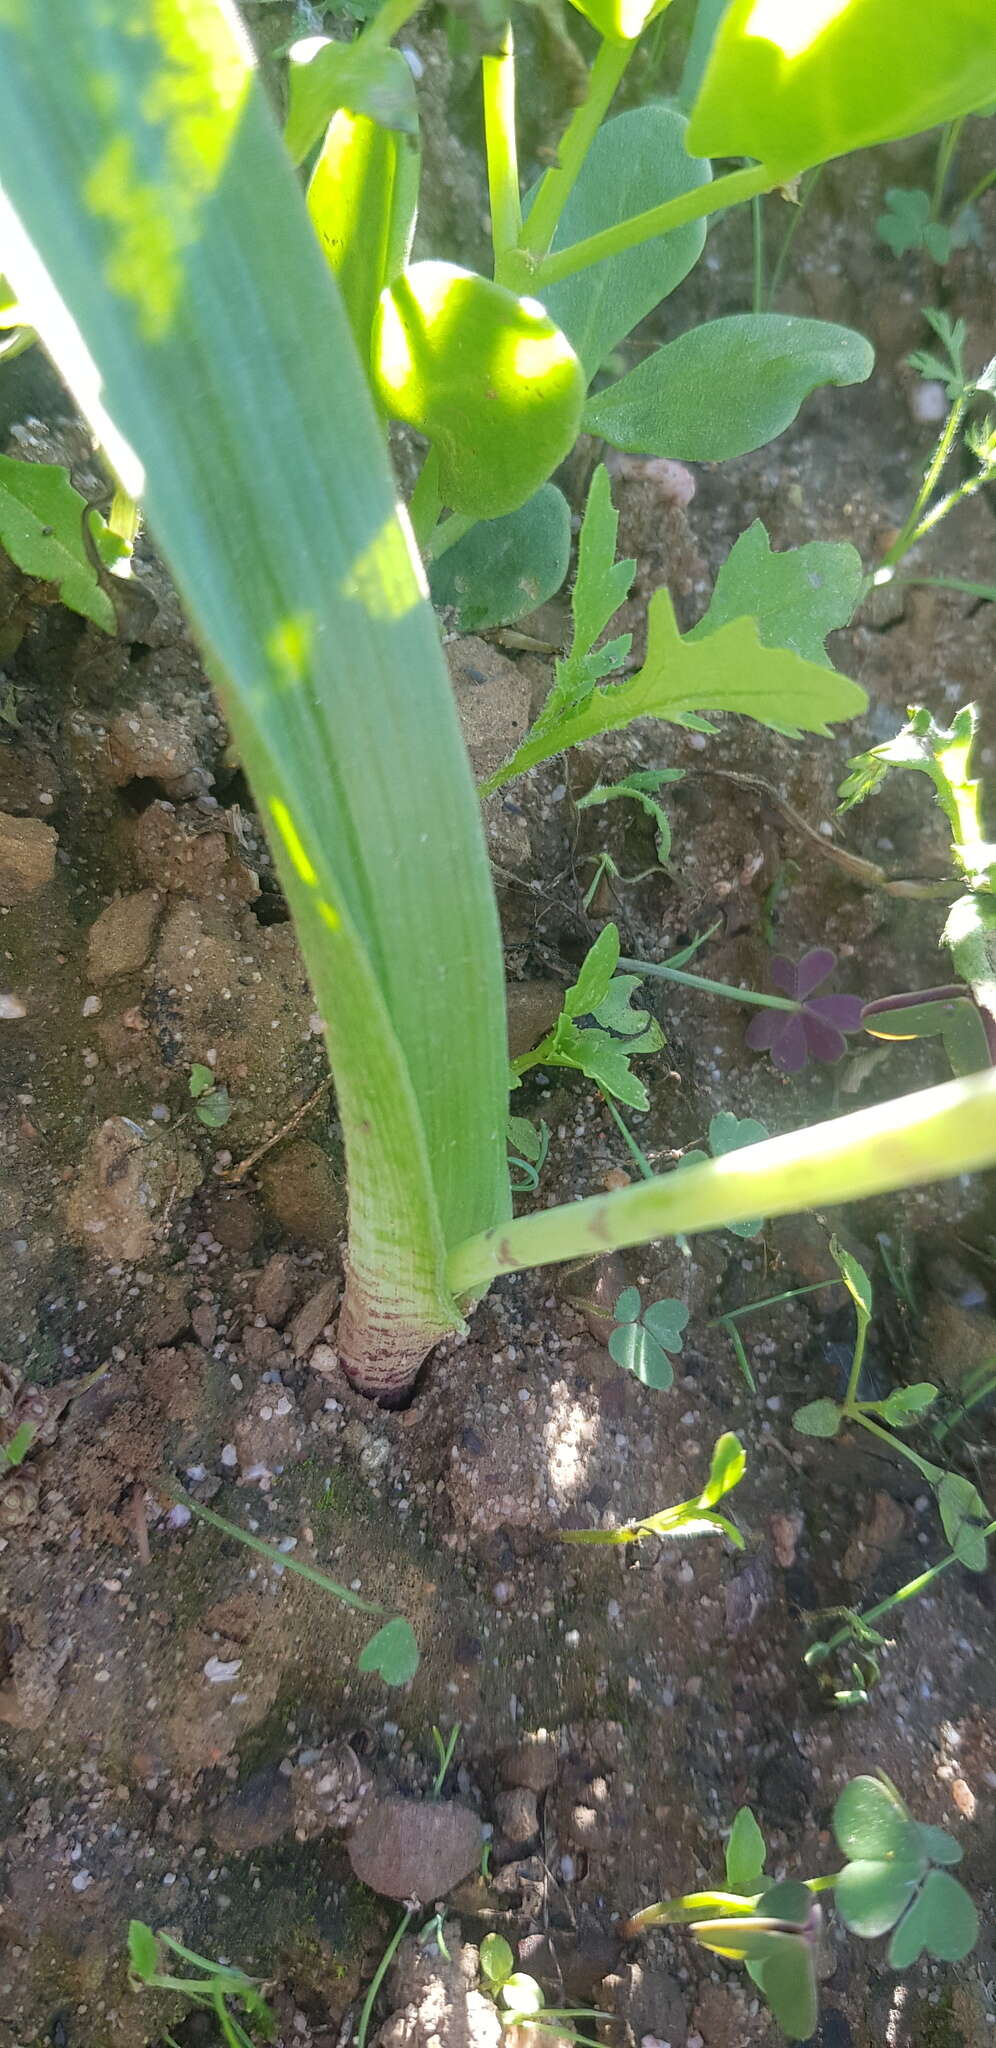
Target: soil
[187,1737]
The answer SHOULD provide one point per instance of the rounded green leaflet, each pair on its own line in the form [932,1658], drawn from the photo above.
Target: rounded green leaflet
[745,1852]
[497,1960]
[638,1352]
[726,387]
[871,1822]
[392,1652]
[489,379]
[818,1418]
[503,568]
[942,1920]
[795,84]
[666,1320]
[627,1307]
[637,160]
[871,1895]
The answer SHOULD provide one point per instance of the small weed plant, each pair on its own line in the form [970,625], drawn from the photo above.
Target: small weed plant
[207,1985]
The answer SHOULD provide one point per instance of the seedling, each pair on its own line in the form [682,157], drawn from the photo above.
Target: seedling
[520,2001]
[392,1652]
[859,1631]
[211,1988]
[643,1337]
[961,1507]
[445,1750]
[641,788]
[913,218]
[897,1878]
[213,1102]
[977,433]
[602,1049]
[268,490]
[695,1517]
[528,1147]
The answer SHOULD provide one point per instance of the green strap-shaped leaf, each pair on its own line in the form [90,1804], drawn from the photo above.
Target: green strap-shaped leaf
[141,163]
[794,82]
[637,160]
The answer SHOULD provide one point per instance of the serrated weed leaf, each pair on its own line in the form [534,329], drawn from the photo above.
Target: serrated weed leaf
[392,1652]
[602,584]
[942,1920]
[592,985]
[855,1278]
[745,1853]
[906,1404]
[797,596]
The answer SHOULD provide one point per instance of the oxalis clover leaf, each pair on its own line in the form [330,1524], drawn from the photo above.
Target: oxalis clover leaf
[890,1881]
[643,1337]
[729,1133]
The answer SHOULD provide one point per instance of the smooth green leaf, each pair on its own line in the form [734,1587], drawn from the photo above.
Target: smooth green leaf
[666,1320]
[143,1950]
[222,380]
[596,972]
[745,1853]
[362,199]
[526,1139]
[855,1278]
[521,1994]
[628,1306]
[942,1013]
[392,1652]
[488,378]
[636,160]
[41,528]
[904,1404]
[504,568]
[638,1352]
[818,1418]
[870,1896]
[497,1960]
[942,1920]
[793,85]
[871,1823]
[964,1518]
[729,1463]
[214,1109]
[797,596]
[375,81]
[726,387]
[201,1079]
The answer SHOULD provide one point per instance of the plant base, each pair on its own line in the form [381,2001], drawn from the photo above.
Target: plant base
[381,1352]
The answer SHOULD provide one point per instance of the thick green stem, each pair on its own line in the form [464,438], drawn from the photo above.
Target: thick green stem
[498,84]
[663,972]
[388,23]
[737,186]
[927,1136]
[578,136]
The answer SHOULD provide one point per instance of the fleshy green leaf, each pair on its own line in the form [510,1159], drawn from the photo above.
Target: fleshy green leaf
[504,568]
[41,528]
[325,76]
[797,596]
[636,160]
[870,1896]
[795,85]
[871,1822]
[745,1853]
[143,1950]
[488,378]
[818,1418]
[964,1517]
[497,1960]
[942,1920]
[638,1352]
[855,1278]
[392,1652]
[627,1308]
[726,387]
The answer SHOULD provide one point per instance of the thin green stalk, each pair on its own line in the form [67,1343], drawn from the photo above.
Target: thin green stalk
[910,1591]
[985,590]
[931,1473]
[732,190]
[751,1308]
[447,534]
[945,156]
[498,84]
[363,2024]
[910,530]
[931,1135]
[582,128]
[661,970]
[977,190]
[797,212]
[388,23]
[854,1377]
[636,1152]
[757,252]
